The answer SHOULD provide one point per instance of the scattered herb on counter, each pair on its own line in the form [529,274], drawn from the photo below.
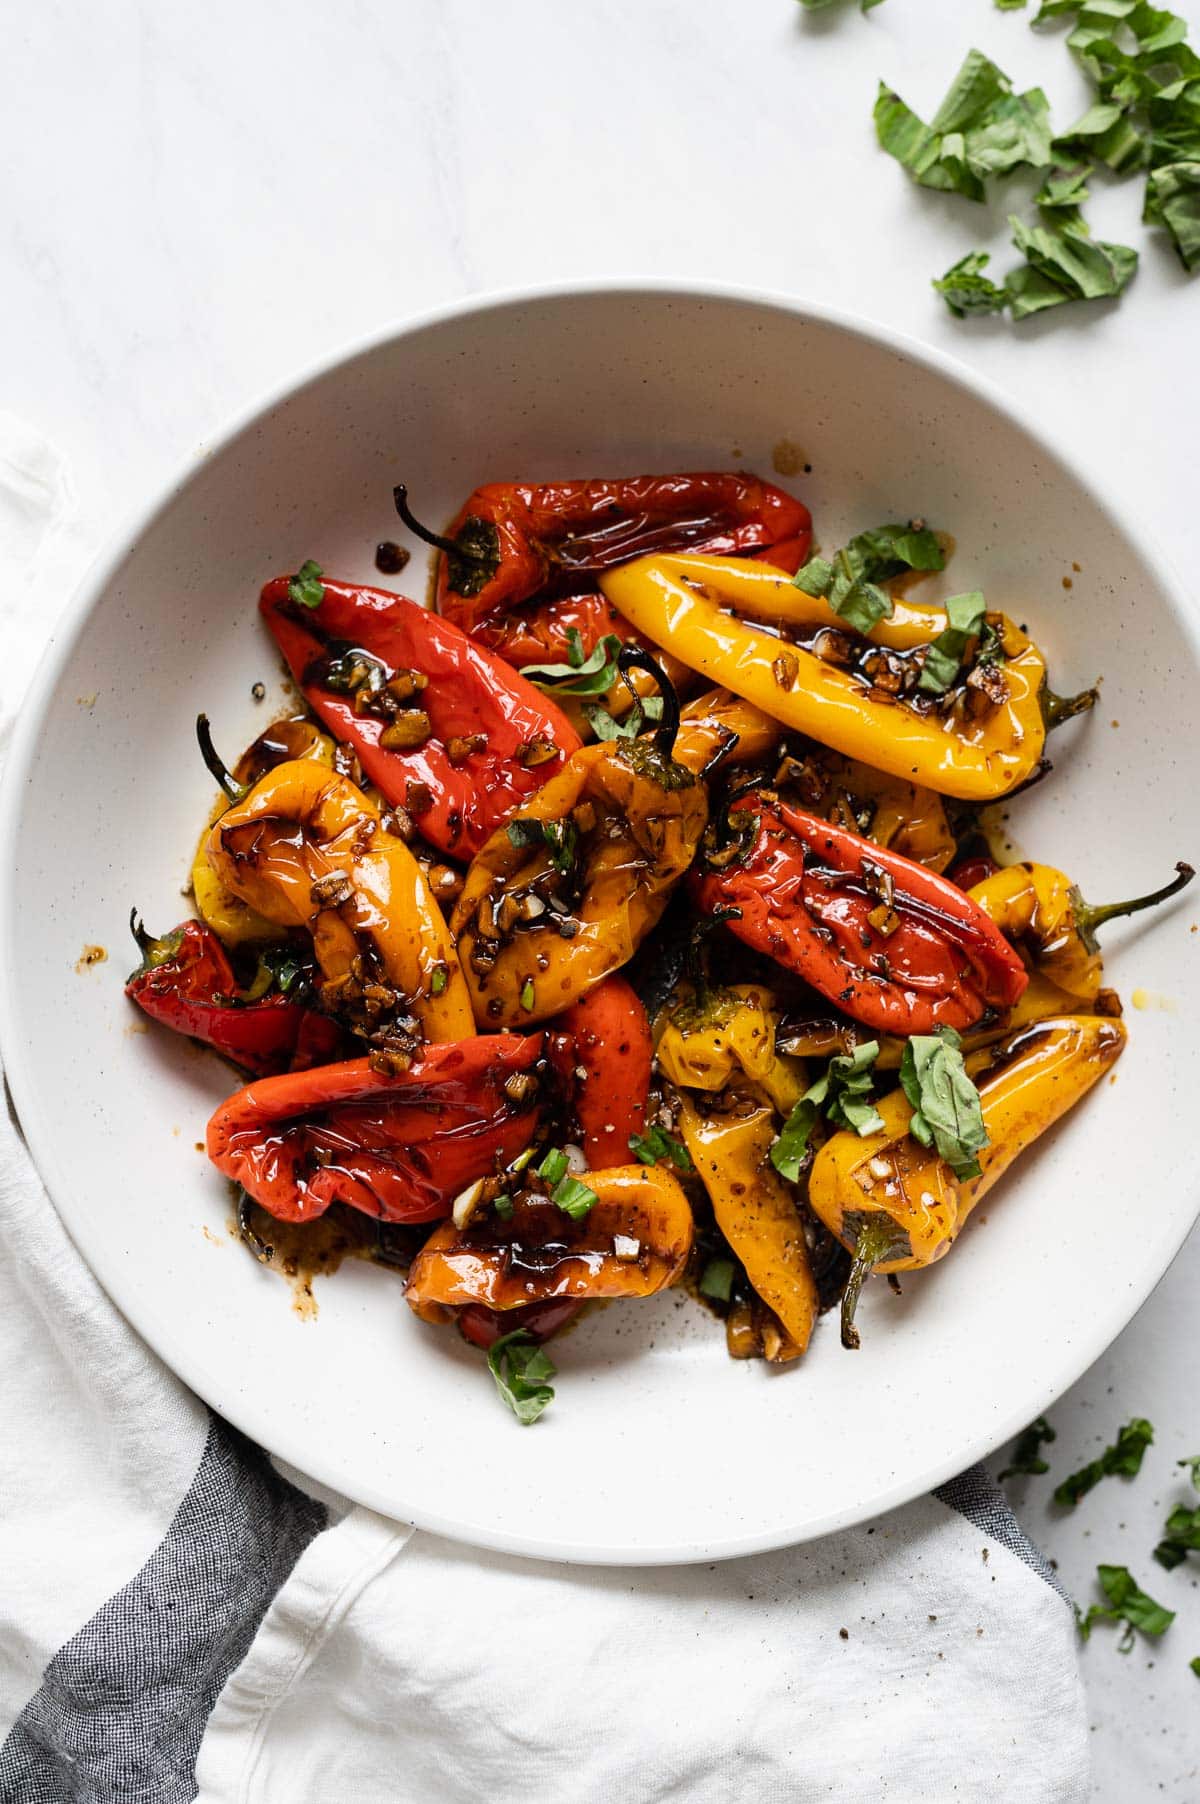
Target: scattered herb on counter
[1063,263]
[947,1112]
[1026,1458]
[1195,1665]
[656,1144]
[842,1095]
[1181,1530]
[306,588]
[1123,1459]
[981,129]
[849,583]
[818,6]
[522,1370]
[1127,1604]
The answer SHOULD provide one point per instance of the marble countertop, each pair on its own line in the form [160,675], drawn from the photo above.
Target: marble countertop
[200,202]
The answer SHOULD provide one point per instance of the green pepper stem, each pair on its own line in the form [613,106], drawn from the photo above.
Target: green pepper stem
[146,942]
[876,1241]
[636,657]
[1088,917]
[1057,708]
[215,765]
[438,540]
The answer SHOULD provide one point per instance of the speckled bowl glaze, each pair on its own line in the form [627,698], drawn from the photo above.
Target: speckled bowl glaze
[658,1448]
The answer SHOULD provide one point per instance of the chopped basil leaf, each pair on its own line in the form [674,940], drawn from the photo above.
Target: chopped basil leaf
[1173,200]
[527,994]
[522,1371]
[842,1095]
[1181,1531]
[1026,1459]
[1127,1603]
[849,583]
[592,675]
[656,1144]
[503,1205]
[965,289]
[947,1112]
[606,726]
[1195,1665]
[554,1166]
[943,659]
[716,1280]
[981,129]
[1106,135]
[306,588]
[439,980]
[1065,187]
[573,1198]
[1071,265]
[560,839]
[1123,1459]
[816,6]
[1010,6]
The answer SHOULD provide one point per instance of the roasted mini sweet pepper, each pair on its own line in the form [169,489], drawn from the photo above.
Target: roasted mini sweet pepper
[563,895]
[400,1146]
[233,921]
[633,1240]
[611,1056]
[511,541]
[443,728]
[893,944]
[185,981]
[755,1210]
[307,850]
[1042,911]
[857,693]
[896,1205]
[726,1031]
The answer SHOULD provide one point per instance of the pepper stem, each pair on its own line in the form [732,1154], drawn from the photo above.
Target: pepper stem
[262,1249]
[876,1241]
[1089,917]
[215,765]
[636,657]
[1057,708]
[438,540]
[146,942]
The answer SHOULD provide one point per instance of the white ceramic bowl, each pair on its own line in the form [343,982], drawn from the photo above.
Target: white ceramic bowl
[658,1447]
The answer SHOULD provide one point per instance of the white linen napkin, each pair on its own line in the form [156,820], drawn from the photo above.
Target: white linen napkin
[182,1620]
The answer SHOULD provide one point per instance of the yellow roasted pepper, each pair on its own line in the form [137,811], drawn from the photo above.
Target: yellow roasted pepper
[697,608]
[1041,910]
[896,1205]
[756,1212]
[730,1030]
[306,849]
[232,920]
[564,894]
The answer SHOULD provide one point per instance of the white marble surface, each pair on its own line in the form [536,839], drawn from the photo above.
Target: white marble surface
[197,201]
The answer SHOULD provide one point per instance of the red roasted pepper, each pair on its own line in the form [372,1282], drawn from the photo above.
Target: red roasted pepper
[185,981]
[894,945]
[541,632]
[398,1147]
[612,1056]
[513,540]
[492,739]
[483,1327]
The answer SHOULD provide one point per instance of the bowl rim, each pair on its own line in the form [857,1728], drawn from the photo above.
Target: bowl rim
[36,1126]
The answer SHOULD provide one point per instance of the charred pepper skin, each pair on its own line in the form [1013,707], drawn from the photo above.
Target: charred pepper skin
[553,538]
[493,739]
[704,610]
[895,1205]
[893,944]
[186,983]
[399,1147]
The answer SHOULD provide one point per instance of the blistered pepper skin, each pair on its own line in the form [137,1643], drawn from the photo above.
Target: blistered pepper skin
[685,604]
[1025,1085]
[465,793]
[301,827]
